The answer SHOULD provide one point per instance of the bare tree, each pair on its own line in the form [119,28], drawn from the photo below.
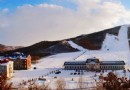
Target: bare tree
[46,87]
[81,83]
[39,87]
[3,84]
[112,82]
[60,84]
[99,84]
[35,86]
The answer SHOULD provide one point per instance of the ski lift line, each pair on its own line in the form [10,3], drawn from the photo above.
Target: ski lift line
[79,55]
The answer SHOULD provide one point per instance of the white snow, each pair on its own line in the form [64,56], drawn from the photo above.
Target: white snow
[76,46]
[110,43]
[117,43]
[44,66]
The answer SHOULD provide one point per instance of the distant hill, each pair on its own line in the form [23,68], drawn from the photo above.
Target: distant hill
[94,41]
[4,48]
[45,48]
[91,41]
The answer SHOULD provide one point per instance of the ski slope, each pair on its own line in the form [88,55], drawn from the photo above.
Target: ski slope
[117,43]
[110,43]
[76,46]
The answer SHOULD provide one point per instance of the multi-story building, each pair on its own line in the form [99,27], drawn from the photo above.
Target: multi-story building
[6,67]
[21,61]
[93,64]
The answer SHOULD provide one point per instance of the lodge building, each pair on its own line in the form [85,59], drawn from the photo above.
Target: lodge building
[21,61]
[93,64]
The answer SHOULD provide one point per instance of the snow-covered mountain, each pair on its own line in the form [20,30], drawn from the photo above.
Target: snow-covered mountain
[46,48]
[108,40]
[95,40]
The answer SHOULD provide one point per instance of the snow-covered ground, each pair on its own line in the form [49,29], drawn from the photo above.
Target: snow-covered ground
[113,48]
[44,66]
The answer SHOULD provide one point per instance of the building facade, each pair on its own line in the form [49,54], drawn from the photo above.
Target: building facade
[21,61]
[6,67]
[93,64]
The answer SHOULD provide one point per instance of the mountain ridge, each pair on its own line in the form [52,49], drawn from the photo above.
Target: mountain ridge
[92,41]
[4,48]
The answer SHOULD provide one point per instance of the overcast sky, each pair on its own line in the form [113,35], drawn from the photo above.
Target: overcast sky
[25,22]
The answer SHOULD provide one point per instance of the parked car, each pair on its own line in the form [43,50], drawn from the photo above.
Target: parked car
[75,73]
[44,79]
[57,72]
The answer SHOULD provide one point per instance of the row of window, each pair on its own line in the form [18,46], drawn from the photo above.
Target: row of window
[19,64]
[75,67]
[2,67]
[111,67]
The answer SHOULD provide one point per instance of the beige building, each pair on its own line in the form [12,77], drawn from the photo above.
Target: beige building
[93,64]
[6,67]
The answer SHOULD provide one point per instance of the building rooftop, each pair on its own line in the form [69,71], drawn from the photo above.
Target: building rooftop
[96,60]
[15,56]
[112,63]
[75,63]
[4,60]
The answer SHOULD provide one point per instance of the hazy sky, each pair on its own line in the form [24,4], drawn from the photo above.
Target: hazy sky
[25,22]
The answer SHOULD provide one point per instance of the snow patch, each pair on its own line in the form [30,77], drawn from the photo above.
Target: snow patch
[76,46]
[117,43]
[110,43]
